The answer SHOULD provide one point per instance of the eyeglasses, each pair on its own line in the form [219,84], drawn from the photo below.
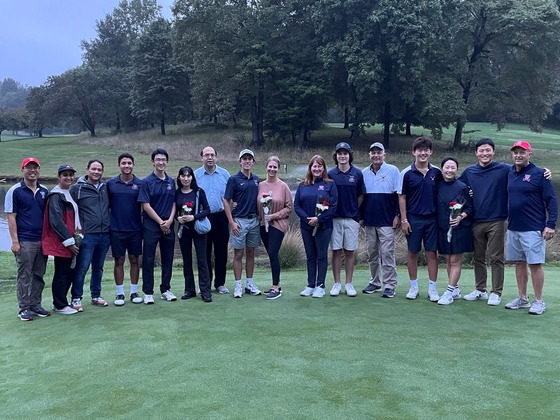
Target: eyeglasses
[209,155]
[160,160]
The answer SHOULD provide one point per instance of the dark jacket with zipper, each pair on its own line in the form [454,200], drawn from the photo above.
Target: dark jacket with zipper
[93,205]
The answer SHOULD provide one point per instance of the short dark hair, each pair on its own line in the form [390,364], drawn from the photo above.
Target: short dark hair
[446,158]
[125,156]
[483,141]
[187,170]
[422,142]
[159,151]
[93,161]
[350,159]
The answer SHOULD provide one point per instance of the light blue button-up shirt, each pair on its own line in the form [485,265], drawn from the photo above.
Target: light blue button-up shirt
[214,185]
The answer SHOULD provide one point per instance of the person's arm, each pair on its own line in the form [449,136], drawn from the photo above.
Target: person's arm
[203,202]
[12,228]
[56,220]
[333,203]
[286,209]
[234,227]
[405,225]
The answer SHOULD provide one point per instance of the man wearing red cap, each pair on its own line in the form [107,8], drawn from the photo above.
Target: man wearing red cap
[532,214]
[24,205]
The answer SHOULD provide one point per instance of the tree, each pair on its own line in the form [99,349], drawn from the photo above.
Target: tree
[12,94]
[37,107]
[160,85]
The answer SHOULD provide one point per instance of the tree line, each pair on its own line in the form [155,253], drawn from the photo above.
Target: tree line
[282,64]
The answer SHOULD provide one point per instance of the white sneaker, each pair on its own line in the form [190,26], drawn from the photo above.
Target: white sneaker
[537,308]
[446,298]
[456,293]
[149,299]
[476,295]
[319,292]
[433,295]
[494,299]
[119,300]
[252,290]
[238,292]
[335,291]
[168,296]
[67,310]
[412,293]
[308,291]
[350,291]
[222,290]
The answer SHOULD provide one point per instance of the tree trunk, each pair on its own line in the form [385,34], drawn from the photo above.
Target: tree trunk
[458,133]
[408,132]
[254,125]
[346,117]
[40,133]
[386,123]
[302,137]
[162,121]
[118,127]
[260,112]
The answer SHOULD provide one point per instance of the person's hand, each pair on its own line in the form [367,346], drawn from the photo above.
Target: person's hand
[406,228]
[73,249]
[455,222]
[548,233]
[164,225]
[267,217]
[547,173]
[396,222]
[235,228]
[16,247]
[189,218]
[313,221]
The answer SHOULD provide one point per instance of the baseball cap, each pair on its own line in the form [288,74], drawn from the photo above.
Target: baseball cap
[29,160]
[246,152]
[378,145]
[523,144]
[65,167]
[342,145]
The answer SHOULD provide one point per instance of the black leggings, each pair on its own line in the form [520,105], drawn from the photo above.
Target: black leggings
[272,241]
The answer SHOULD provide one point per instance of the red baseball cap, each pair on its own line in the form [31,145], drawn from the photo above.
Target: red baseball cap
[29,160]
[523,144]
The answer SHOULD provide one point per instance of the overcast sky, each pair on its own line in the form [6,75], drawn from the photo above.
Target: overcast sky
[41,38]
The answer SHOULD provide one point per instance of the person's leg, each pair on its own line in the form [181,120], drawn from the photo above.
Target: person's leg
[60,282]
[431,257]
[167,249]
[480,244]
[134,269]
[336,261]
[496,240]
[349,258]
[24,262]
[203,277]
[221,240]
[349,246]
[522,277]
[39,268]
[134,248]
[250,262]
[275,242]
[238,263]
[185,243]
[82,265]
[537,277]
[152,233]
[337,237]
[386,239]
[118,270]
[454,263]
[373,248]
[311,257]
[97,264]
[322,239]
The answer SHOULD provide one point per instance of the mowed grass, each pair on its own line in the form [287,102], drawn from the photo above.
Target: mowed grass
[331,358]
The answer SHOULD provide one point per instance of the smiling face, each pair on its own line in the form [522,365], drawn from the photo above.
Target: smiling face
[186,179]
[94,172]
[159,162]
[377,157]
[449,170]
[65,179]
[209,158]
[31,172]
[484,154]
[422,155]
[317,169]
[246,162]
[272,168]
[342,156]
[126,166]
[520,157]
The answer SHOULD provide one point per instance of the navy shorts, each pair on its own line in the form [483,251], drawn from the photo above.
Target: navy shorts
[126,241]
[424,229]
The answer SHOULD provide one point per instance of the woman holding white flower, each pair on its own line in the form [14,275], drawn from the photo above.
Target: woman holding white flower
[315,204]
[275,206]
[187,196]
[454,225]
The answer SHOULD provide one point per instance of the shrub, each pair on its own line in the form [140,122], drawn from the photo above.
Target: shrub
[292,250]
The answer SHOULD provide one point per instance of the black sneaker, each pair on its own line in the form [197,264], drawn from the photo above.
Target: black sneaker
[370,288]
[40,312]
[207,298]
[388,293]
[188,295]
[135,298]
[266,292]
[25,315]
[273,294]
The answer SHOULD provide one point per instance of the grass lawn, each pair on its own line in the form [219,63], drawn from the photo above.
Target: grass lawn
[363,357]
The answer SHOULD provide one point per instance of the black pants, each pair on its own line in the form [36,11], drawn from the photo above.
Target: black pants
[153,236]
[218,238]
[272,241]
[186,241]
[62,280]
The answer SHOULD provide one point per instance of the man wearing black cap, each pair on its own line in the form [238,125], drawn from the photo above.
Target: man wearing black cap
[24,205]
[350,185]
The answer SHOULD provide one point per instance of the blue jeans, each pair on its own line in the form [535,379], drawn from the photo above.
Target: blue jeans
[93,250]
[316,250]
[152,237]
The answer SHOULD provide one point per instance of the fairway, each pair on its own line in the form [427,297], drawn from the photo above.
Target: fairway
[294,357]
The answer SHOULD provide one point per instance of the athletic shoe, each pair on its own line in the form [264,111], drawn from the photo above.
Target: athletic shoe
[238,292]
[188,295]
[433,295]
[494,299]
[308,291]
[99,301]
[319,292]
[25,315]
[350,291]
[135,298]
[537,307]
[77,305]
[168,296]
[388,293]
[67,310]
[206,298]
[40,311]
[446,298]
[273,294]
[371,288]
[270,290]
[335,291]
[119,300]
[251,289]
[223,290]
[456,294]
[148,299]
[412,293]
[476,295]
[518,303]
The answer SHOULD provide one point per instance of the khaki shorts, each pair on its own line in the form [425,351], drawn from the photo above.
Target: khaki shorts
[345,234]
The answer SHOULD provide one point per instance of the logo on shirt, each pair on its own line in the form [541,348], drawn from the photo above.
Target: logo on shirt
[242,183]
[43,194]
[351,178]
[169,187]
[134,186]
[321,188]
[527,178]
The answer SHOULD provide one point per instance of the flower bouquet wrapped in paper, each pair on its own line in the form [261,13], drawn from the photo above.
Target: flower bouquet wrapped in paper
[321,206]
[266,201]
[456,209]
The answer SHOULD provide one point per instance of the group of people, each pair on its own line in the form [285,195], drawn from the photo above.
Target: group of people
[77,222]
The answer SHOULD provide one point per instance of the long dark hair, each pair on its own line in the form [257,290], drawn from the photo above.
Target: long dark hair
[187,170]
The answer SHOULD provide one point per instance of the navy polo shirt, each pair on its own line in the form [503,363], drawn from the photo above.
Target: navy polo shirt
[28,207]
[244,192]
[381,202]
[420,190]
[349,185]
[126,211]
[159,193]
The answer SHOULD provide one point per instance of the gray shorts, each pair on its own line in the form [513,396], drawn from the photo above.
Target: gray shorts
[249,234]
[525,246]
